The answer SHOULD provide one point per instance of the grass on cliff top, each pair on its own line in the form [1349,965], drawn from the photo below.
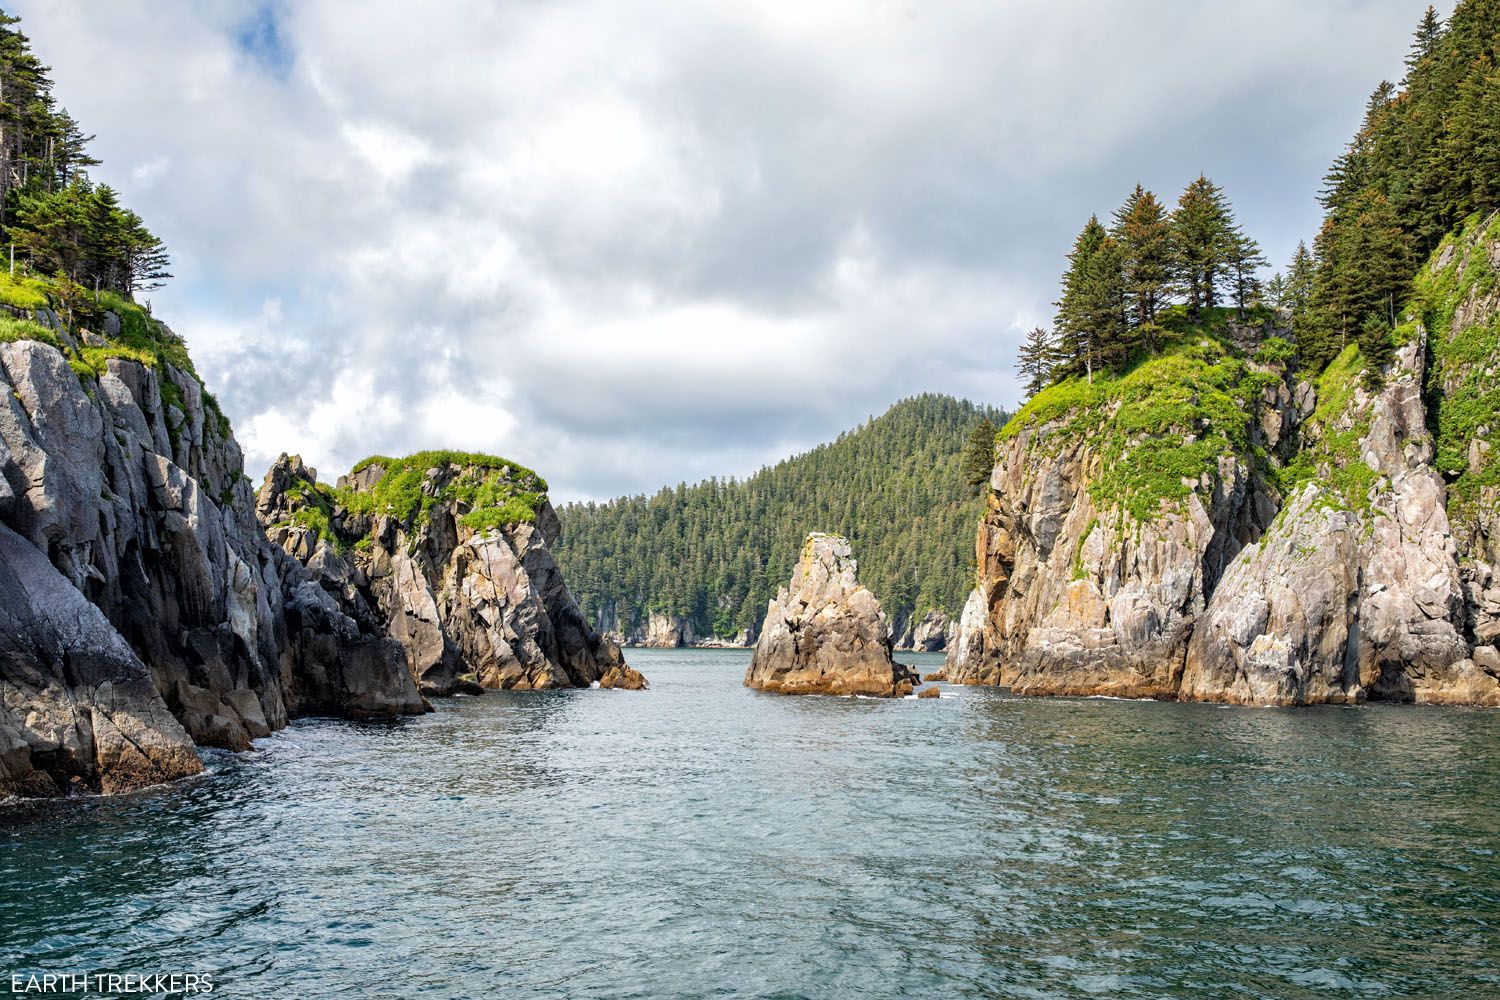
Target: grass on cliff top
[13,330]
[140,339]
[1162,424]
[1463,379]
[490,491]
[316,511]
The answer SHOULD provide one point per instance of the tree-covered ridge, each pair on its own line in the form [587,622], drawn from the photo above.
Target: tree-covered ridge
[718,551]
[1426,157]
[54,220]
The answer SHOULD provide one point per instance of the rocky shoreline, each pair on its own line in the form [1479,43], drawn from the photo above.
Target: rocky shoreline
[152,603]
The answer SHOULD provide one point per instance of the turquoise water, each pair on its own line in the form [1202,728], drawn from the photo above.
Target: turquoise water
[701,840]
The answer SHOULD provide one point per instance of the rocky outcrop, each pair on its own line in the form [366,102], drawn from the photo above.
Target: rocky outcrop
[1347,596]
[475,601]
[121,474]
[928,634]
[825,633]
[1461,295]
[1079,595]
[76,704]
[1213,527]
[669,631]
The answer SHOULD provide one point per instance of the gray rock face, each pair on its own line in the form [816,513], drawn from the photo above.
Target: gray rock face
[1334,605]
[140,506]
[1236,595]
[1082,601]
[77,708]
[825,633]
[928,634]
[669,631]
[468,608]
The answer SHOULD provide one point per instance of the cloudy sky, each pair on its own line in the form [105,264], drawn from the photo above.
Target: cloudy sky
[632,243]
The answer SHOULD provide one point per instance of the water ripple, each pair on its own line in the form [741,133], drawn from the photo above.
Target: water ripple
[705,840]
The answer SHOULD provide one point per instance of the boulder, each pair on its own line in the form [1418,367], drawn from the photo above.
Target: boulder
[825,633]
[929,693]
[623,677]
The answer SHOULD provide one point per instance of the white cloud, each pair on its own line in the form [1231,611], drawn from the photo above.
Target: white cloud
[630,243]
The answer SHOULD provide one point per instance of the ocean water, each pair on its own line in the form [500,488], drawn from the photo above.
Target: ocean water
[703,840]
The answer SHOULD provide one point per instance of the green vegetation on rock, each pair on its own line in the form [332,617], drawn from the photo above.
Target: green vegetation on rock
[1459,303]
[1162,424]
[1330,454]
[492,491]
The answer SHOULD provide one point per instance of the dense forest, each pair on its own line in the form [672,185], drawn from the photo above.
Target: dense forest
[716,552]
[55,223]
[1426,156]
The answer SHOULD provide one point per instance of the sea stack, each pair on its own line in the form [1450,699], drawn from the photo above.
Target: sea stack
[826,634]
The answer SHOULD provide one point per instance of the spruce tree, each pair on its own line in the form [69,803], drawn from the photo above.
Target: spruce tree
[978,459]
[1034,361]
[1245,263]
[1376,347]
[1204,243]
[1424,40]
[1144,233]
[1077,347]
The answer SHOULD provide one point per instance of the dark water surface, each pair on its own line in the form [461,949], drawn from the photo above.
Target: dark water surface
[701,840]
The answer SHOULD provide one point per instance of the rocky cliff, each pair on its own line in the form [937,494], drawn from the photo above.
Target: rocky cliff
[927,634]
[447,552]
[826,634]
[144,609]
[1212,526]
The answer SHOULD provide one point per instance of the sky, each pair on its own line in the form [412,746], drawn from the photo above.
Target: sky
[629,244]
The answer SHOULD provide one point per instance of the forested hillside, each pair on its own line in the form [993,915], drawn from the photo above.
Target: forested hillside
[716,552]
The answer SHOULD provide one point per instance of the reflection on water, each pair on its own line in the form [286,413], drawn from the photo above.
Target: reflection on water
[701,838]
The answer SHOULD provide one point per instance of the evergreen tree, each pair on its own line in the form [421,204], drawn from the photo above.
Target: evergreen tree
[1144,233]
[1364,267]
[979,455]
[1245,263]
[53,217]
[1204,242]
[1425,40]
[1376,347]
[1091,322]
[1034,361]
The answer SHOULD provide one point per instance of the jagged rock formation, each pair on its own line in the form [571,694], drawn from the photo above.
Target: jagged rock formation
[1315,553]
[117,469]
[826,634]
[447,553]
